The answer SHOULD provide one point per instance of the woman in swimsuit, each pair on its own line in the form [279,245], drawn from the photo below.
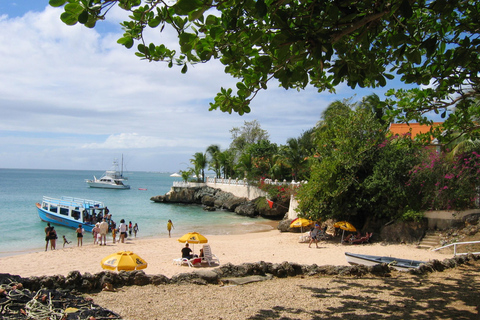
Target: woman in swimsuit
[79,232]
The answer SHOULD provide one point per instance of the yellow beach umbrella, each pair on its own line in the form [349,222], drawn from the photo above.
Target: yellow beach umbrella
[300,222]
[345,226]
[192,237]
[123,260]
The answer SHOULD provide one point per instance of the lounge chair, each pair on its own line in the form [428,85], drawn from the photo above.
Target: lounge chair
[364,239]
[190,262]
[305,237]
[208,256]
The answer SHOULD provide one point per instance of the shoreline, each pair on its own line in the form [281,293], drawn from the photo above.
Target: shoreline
[41,248]
[270,246]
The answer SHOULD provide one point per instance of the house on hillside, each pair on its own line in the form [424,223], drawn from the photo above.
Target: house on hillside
[414,129]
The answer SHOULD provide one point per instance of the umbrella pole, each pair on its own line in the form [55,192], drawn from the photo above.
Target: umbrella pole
[342,235]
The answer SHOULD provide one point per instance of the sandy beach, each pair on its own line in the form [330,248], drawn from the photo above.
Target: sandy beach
[451,294]
[271,246]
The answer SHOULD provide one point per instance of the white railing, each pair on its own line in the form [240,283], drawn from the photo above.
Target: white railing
[184,184]
[244,182]
[229,181]
[455,247]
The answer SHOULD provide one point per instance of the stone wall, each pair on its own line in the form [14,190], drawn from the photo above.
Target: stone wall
[442,220]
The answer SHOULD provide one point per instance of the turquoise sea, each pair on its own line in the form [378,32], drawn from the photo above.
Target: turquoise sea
[23,231]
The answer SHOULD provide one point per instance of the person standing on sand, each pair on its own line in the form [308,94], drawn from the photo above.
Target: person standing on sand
[314,233]
[169,227]
[103,232]
[95,232]
[135,229]
[47,235]
[80,233]
[122,228]
[130,227]
[114,230]
[53,238]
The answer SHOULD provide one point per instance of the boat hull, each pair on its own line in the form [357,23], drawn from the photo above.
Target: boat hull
[61,220]
[397,263]
[93,184]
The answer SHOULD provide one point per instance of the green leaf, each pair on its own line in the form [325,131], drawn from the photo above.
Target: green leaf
[185,68]
[126,41]
[261,8]
[406,9]
[183,7]
[74,8]
[68,18]
[83,17]
[57,3]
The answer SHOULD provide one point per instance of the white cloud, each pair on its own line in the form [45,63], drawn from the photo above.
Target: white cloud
[72,98]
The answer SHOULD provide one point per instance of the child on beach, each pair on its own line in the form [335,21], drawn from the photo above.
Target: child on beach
[65,241]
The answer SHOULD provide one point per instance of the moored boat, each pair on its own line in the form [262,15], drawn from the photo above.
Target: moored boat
[70,212]
[397,263]
[111,179]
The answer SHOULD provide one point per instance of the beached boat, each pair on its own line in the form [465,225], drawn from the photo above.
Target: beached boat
[399,264]
[70,212]
[111,179]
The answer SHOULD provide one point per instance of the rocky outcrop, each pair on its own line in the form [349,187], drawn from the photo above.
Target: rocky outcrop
[213,199]
[76,282]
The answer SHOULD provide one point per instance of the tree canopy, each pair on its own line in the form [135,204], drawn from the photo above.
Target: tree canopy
[318,43]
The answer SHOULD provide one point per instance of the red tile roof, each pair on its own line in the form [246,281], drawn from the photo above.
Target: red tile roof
[413,128]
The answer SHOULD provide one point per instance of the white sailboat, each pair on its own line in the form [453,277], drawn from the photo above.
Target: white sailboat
[111,179]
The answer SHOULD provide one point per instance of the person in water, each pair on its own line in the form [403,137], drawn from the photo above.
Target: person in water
[169,227]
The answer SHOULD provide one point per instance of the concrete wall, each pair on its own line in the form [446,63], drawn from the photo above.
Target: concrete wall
[249,192]
[445,219]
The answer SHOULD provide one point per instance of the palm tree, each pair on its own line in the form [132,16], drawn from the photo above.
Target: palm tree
[199,162]
[244,165]
[226,160]
[214,151]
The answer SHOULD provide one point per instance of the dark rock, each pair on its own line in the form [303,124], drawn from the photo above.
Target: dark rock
[247,209]
[213,199]
[208,200]
[404,232]
[159,279]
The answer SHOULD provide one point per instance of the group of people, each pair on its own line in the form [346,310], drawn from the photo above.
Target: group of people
[99,231]
[50,237]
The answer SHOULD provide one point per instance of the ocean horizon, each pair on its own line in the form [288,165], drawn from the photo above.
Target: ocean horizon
[21,189]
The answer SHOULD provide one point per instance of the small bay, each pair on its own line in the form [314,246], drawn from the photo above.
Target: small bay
[23,231]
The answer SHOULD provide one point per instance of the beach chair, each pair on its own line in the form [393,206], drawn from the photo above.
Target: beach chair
[305,237]
[208,256]
[364,239]
[189,262]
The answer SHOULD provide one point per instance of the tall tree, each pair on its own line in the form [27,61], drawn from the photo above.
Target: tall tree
[311,42]
[214,152]
[199,162]
[251,132]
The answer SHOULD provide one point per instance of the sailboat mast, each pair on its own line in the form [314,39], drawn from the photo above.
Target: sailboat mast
[121,170]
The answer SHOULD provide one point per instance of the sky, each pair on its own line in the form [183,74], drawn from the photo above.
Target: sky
[72,98]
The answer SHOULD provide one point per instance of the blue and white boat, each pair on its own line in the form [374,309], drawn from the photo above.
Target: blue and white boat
[70,212]
[367,260]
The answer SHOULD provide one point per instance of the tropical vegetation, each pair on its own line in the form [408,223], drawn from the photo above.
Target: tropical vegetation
[355,168]
[430,44]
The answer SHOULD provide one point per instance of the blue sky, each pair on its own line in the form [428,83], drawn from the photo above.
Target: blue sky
[72,98]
